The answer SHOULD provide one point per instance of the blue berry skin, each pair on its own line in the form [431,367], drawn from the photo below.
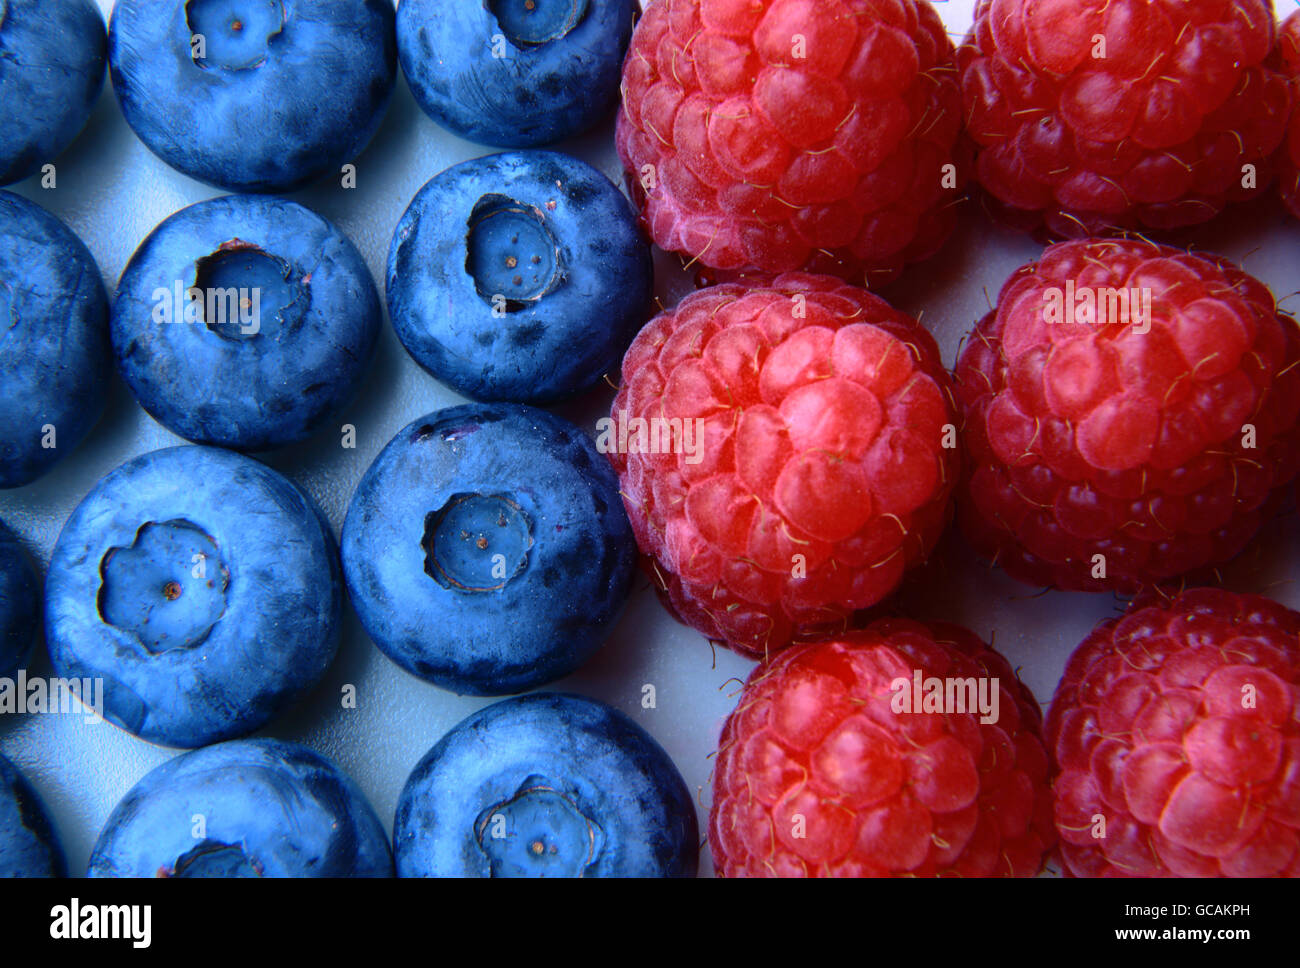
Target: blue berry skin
[486,549]
[546,785]
[268,808]
[202,587]
[20,605]
[286,90]
[52,56]
[218,372]
[29,846]
[520,277]
[497,73]
[53,340]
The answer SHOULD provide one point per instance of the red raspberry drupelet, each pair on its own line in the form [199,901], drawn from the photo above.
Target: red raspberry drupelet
[1090,114]
[1288,44]
[1109,448]
[1176,734]
[824,435]
[794,134]
[818,735]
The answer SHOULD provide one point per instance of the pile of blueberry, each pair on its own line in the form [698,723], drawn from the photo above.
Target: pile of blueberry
[487,549]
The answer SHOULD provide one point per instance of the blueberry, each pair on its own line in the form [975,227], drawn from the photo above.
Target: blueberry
[19,605]
[487,550]
[546,785]
[245,321]
[519,277]
[254,95]
[53,340]
[248,808]
[515,73]
[29,846]
[51,72]
[202,587]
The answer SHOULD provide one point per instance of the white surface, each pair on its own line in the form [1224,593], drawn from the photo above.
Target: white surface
[112,192]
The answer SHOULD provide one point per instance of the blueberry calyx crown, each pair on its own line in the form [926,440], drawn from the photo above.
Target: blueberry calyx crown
[511,254]
[538,832]
[212,858]
[168,588]
[233,35]
[243,291]
[477,542]
[531,23]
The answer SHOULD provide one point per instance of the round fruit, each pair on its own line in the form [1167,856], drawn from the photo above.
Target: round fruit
[841,760]
[794,134]
[1089,116]
[1130,415]
[546,785]
[1176,738]
[785,453]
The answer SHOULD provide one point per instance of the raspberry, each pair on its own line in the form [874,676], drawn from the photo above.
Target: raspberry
[1103,456]
[1288,44]
[1094,114]
[794,134]
[1176,738]
[826,455]
[818,775]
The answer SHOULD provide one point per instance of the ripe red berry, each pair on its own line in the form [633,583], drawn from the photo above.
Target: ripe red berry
[1288,48]
[1091,115]
[822,772]
[1127,443]
[823,425]
[1176,737]
[794,134]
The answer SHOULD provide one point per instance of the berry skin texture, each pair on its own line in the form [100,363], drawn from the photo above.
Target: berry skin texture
[270,809]
[515,74]
[20,605]
[50,78]
[1159,442]
[204,589]
[1178,723]
[1095,115]
[546,785]
[286,325]
[486,549]
[1288,45]
[794,134]
[278,95]
[54,341]
[880,792]
[811,469]
[501,286]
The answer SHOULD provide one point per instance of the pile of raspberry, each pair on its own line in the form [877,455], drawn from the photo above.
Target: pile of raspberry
[826,461]
[798,134]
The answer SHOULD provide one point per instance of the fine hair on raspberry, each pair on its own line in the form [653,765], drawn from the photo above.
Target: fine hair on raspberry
[825,457]
[1130,415]
[822,772]
[1175,736]
[780,135]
